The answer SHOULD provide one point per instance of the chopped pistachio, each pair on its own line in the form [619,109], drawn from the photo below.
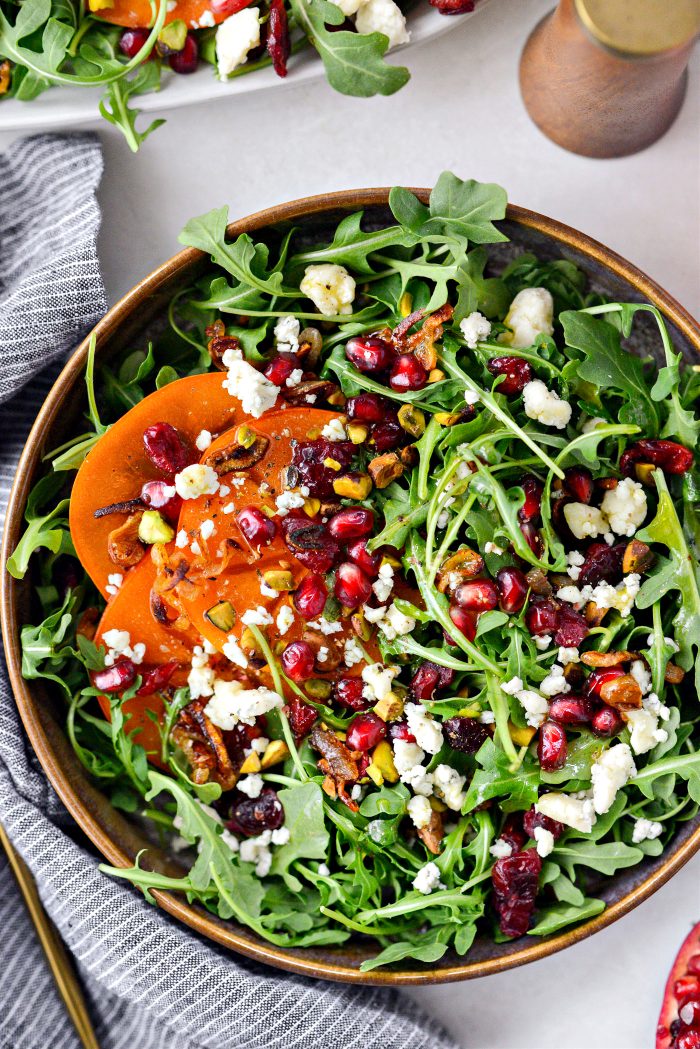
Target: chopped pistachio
[331,464]
[245,436]
[276,752]
[520,736]
[390,708]
[412,420]
[436,375]
[353,486]
[277,579]
[251,764]
[154,529]
[383,760]
[317,688]
[357,432]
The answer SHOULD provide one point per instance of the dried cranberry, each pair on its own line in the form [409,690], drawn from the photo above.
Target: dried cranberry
[598,677]
[572,627]
[569,709]
[278,370]
[185,61]
[551,746]
[407,373]
[301,717]
[532,819]
[278,42]
[512,589]
[464,734]
[166,448]
[542,616]
[515,883]
[532,537]
[368,408]
[603,563]
[673,458]
[478,595]
[606,722]
[298,660]
[579,481]
[311,595]
[366,730]
[352,586]
[428,678]
[388,435]
[517,372]
[512,831]
[368,562]
[308,469]
[464,621]
[533,489]
[351,523]
[310,542]
[452,7]
[156,678]
[132,40]
[400,730]
[348,693]
[258,529]
[160,496]
[251,816]
[369,353]
[115,678]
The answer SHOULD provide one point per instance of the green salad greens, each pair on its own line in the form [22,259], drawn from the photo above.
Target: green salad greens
[436,584]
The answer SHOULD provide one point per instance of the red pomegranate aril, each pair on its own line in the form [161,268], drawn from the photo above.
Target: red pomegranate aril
[533,819]
[478,595]
[160,496]
[187,60]
[517,372]
[311,595]
[687,987]
[572,627]
[251,816]
[351,523]
[366,730]
[348,693]
[428,678]
[278,370]
[368,562]
[533,489]
[606,722]
[670,456]
[132,40]
[689,1039]
[226,7]
[542,616]
[452,7]
[156,678]
[400,730]
[115,678]
[598,677]
[368,408]
[407,374]
[551,746]
[165,448]
[512,589]
[532,537]
[515,882]
[568,709]
[301,717]
[465,621]
[256,527]
[298,660]
[689,1012]
[369,353]
[694,964]
[464,734]
[352,586]
[579,481]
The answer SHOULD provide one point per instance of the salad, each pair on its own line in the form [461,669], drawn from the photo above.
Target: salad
[377,587]
[127,46]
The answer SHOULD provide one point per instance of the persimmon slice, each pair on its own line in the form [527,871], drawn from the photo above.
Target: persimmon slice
[196,14]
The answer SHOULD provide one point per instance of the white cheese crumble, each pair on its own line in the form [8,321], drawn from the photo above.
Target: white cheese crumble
[535,706]
[491,548]
[383,16]
[244,382]
[395,623]
[428,878]
[352,652]
[182,539]
[196,480]
[287,334]
[207,529]
[118,644]
[543,641]
[419,810]
[203,440]
[593,423]
[232,703]
[327,626]
[114,581]
[501,849]
[285,618]
[646,830]
[609,772]
[384,583]
[555,683]
[334,431]
[295,378]
[233,652]
[568,655]
[235,37]
[585,521]
[644,730]
[257,617]
[530,314]
[288,501]
[428,732]
[573,812]
[201,676]
[625,506]
[251,785]
[378,680]
[544,840]
[641,675]
[406,755]
[475,328]
[330,288]
[449,786]
[545,406]
[575,561]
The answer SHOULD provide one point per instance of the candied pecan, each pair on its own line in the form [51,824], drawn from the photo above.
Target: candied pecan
[124,547]
[278,42]
[219,343]
[622,692]
[422,343]
[317,388]
[203,745]
[459,568]
[237,456]
[607,659]
[338,763]
[673,674]
[319,641]
[637,558]
[432,834]
[538,583]
[87,624]
[124,507]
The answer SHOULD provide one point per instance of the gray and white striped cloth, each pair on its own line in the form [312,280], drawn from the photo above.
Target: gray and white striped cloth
[150,983]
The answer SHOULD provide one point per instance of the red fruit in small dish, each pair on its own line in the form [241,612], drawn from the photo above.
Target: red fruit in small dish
[676,1019]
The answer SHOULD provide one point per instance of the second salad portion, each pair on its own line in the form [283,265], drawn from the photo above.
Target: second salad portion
[384,576]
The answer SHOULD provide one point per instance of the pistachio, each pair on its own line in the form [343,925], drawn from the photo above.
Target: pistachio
[251,764]
[412,419]
[383,759]
[332,464]
[245,436]
[222,615]
[337,399]
[277,579]
[375,774]
[276,752]
[353,486]
[311,506]
[645,473]
[154,529]
[317,688]
[405,304]
[520,736]
[361,627]
[447,418]
[357,432]
[384,469]
[637,558]
[248,642]
[436,375]
[390,708]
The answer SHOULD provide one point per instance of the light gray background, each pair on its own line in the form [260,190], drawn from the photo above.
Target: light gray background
[461,111]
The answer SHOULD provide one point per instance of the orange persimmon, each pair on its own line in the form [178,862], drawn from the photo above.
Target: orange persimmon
[196,14]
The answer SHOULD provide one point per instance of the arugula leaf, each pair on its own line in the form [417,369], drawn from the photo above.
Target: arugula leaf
[352,246]
[686,766]
[115,108]
[308,837]
[353,61]
[489,295]
[465,210]
[48,531]
[496,778]
[396,952]
[559,915]
[607,858]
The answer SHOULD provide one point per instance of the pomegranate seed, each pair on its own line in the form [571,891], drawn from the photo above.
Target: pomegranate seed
[407,373]
[256,527]
[603,563]
[165,448]
[388,435]
[551,746]
[542,616]
[478,595]
[689,1039]
[512,589]
[428,678]
[464,734]
[694,964]
[185,61]
[352,586]
[157,495]
[512,831]
[155,679]
[251,816]
[464,621]
[366,730]
[597,678]
[310,542]
[351,523]
[348,693]
[298,661]
[533,498]
[686,988]
[571,710]
[515,883]
[579,481]
[368,562]
[606,722]
[278,370]
[131,41]
[368,408]
[517,372]
[311,595]
[572,627]
[115,678]
[400,730]
[673,458]
[532,819]
[369,353]
[689,1012]
[532,537]
[301,717]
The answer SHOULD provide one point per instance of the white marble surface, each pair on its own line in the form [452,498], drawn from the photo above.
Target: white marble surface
[461,111]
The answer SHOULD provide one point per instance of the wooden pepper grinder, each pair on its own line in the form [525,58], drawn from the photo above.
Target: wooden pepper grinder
[606,78]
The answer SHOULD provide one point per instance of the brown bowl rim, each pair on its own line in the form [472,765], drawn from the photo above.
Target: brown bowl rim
[199,920]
